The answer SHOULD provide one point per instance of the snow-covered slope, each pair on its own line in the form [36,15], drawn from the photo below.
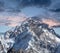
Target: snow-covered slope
[31,36]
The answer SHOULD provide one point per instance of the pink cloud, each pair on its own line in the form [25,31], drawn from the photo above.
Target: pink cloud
[17,19]
[12,20]
[51,22]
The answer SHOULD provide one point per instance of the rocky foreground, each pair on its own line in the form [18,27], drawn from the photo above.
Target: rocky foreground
[31,36]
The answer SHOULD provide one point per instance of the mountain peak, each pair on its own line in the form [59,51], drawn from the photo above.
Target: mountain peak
[31,36]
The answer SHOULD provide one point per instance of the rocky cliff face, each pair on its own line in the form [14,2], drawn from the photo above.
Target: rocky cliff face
[31,36]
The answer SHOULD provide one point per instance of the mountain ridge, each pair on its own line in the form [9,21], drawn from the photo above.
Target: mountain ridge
[33,37]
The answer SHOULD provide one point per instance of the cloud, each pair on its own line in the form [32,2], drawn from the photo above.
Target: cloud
[39,3]
[16,5]
[12,20]
[51,22]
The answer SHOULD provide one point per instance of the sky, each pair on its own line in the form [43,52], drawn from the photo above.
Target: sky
[13,12]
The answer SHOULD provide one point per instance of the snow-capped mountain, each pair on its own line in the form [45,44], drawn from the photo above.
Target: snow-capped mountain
[31,36]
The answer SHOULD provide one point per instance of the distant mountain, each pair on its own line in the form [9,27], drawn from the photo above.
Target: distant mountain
[1,33]
[30,37]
